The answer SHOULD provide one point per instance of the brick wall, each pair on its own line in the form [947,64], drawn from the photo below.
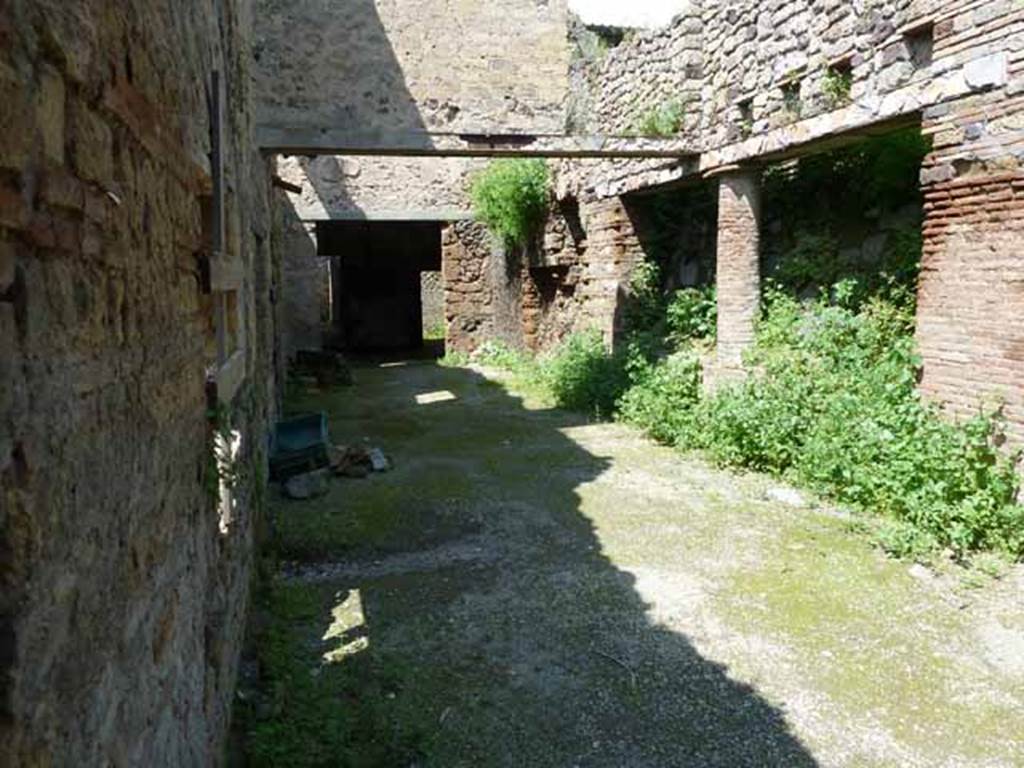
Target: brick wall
[738,277]
[970,326]
[971,295]
[123,586]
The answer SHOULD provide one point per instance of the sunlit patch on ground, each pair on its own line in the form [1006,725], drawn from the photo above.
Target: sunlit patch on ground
[441,396]
[348,626]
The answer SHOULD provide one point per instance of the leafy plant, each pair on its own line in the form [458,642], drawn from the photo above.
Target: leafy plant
[664,120]
[583,376]
[500,355]
[836,85]
[834,405]
[644,309]
[692,314]
[815,262]
[511,198]
[661,400]
[454,359]
[880,173]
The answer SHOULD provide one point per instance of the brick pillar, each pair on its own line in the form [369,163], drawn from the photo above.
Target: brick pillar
[738,264]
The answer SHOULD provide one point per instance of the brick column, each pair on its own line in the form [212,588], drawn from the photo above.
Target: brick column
[738,264]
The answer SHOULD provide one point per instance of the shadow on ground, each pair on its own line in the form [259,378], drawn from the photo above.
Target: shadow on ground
[459,610]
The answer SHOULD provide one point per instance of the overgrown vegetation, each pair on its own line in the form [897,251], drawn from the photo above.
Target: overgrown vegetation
[836,85]
[830,399]
[832,403]
[511,198]
[662,121]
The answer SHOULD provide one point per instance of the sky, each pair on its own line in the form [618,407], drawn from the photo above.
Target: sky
[627,13]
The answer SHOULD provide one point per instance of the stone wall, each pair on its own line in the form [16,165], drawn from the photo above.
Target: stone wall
[765,72]
[124,583]
[418,65]
[575,278]
[432,300]
[374,187]
[617,83]
[305,290]
[468,263]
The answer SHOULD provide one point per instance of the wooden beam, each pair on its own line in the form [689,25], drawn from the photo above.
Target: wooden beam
[331,141]
[287,186]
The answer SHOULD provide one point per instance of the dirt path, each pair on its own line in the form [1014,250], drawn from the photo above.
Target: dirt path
[527,589]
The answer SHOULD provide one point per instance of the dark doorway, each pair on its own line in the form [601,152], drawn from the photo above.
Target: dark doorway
[376,269]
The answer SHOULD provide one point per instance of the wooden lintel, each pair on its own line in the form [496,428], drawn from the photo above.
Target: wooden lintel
[325,141]
[287,186]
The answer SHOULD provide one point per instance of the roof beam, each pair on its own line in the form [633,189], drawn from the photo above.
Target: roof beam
[331,141]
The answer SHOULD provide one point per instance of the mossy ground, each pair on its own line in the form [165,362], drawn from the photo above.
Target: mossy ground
[612,604]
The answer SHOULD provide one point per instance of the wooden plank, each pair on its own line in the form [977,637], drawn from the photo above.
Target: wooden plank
[304,140]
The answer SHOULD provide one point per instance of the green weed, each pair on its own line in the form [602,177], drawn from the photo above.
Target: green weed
[511,198]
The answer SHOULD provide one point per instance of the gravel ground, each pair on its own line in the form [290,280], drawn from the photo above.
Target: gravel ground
[559,593]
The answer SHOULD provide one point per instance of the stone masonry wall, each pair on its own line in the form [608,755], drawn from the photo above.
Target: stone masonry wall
[414,65]
[648,70]
[432,300]
[765,69]
[764,95]
[123,585]
[467,264]
[576,278]
[305,290]
[339,187]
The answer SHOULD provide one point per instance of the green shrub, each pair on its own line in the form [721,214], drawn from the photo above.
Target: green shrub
[813,261]
[511,198]
[644,309]
[584,376]
[836,86]
[662,398]
[832,403]
[499,355]
[881,173]
[691,314]
[663,121]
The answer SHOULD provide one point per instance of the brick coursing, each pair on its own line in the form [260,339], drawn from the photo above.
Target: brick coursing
[970,320]
[738,274]
[970,323]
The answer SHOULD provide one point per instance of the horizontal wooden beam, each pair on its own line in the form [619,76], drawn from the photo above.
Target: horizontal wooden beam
[330,141]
